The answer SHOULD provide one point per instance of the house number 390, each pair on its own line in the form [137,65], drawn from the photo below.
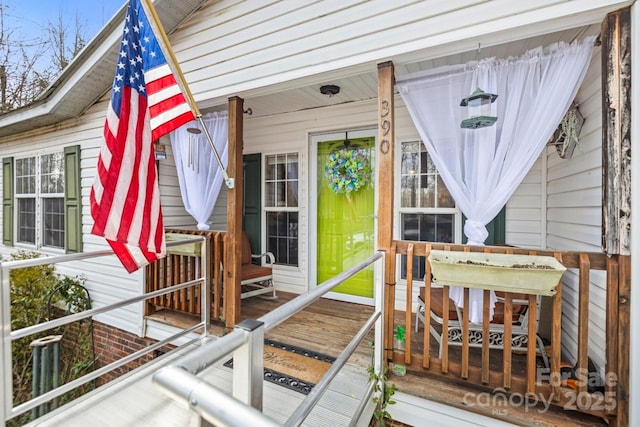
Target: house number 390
[385,125]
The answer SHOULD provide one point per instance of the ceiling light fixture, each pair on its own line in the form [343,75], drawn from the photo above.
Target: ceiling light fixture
[329,90]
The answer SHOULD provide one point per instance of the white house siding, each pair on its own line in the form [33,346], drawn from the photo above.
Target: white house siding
[525,210]
[574,213]
[232,47]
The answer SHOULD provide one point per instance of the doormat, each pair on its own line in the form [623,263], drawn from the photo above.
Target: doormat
[292,367]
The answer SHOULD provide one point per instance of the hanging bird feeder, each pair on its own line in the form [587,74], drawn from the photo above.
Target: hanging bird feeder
[478,110]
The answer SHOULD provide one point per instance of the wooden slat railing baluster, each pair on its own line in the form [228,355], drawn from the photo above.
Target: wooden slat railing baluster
[183,278]
[531,343]
[390,295]
[556,333]
[192,292]
[485,336]
[532,332]
[445,329]
[611,339]
[407,311]
[464,373]
[427,310]
[176,279]
[166,280]
[583,324]
[506,363]
[486,314]
[215,286]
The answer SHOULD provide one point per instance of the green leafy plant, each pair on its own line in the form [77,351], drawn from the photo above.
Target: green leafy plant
[381,415]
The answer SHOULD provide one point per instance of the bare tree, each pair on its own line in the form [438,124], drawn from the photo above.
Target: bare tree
[18,60]
[25,70]
[65,44]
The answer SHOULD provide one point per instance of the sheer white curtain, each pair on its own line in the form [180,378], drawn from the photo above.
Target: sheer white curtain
[199,175]
[483,167]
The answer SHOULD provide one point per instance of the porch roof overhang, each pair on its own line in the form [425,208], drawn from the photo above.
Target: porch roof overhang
[88,77]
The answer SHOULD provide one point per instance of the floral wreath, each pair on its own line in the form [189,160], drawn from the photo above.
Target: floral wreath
[347,170]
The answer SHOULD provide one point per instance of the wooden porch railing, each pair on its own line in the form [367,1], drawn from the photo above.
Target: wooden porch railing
[612,405]
[178,268]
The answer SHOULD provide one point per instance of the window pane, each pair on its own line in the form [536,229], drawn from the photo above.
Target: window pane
[292,194]
[282,237]
[270,194]
[52,173]
[444,197]
[27,221]
[292,166]
[53,219]
[26,176]
[420,183]
[425,228]
[270,173]
[428,191]
[281,183]
[408,191]
[281,194]
[281,161]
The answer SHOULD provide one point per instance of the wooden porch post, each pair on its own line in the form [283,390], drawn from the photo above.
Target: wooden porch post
[386,142]
[616,204]
[232,247]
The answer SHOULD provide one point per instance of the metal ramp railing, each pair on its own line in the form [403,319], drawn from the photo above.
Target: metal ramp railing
[244,407]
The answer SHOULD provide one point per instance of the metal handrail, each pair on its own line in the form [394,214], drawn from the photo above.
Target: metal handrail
[304,409]
[40,327]
[180,382]
[8,411]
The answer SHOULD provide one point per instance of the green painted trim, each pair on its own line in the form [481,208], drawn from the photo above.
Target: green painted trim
[72,200]
[7,201]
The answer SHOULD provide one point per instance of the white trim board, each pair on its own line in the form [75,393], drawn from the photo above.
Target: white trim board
[417,412]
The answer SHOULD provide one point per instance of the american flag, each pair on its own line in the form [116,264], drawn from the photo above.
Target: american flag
[146,103]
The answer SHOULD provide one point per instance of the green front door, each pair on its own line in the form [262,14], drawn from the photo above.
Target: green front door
[345,212]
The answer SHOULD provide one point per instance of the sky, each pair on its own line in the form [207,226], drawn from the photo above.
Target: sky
[30,17]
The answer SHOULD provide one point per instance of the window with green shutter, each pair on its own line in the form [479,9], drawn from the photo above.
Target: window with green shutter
[42,201]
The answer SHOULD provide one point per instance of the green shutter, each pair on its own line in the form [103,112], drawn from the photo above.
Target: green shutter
[7,201]
[496,229]
[72,200]
[252,208]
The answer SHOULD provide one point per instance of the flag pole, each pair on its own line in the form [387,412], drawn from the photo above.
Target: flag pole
[182,83]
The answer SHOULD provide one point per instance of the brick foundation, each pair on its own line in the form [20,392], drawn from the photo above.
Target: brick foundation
[112,344]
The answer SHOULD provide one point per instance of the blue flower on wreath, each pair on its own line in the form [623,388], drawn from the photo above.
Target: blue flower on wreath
[347,170]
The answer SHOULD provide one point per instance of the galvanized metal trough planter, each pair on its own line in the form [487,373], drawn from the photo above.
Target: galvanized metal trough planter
[191,249]
[529,274]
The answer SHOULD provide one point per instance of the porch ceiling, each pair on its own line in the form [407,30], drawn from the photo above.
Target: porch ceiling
[360,86]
